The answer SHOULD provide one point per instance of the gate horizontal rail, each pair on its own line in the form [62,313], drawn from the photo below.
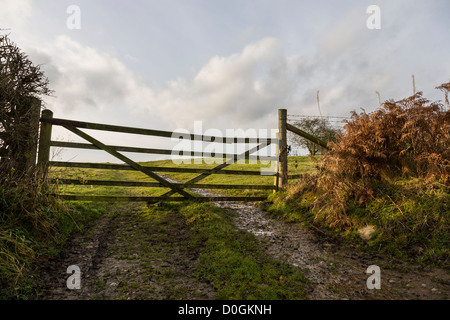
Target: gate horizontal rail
[86,165]
[159,151]
[160,185]
[152,132]
[155,199]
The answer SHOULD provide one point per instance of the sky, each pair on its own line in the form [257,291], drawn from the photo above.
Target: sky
[229,64]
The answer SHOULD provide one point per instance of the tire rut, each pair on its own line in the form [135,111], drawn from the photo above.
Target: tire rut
[85,250]
[124,256]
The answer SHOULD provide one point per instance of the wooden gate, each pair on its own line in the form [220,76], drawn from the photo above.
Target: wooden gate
[45,143]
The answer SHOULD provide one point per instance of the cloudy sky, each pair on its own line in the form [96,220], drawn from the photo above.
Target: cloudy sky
[230,64]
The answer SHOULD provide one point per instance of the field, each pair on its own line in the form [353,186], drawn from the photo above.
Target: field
[297,165]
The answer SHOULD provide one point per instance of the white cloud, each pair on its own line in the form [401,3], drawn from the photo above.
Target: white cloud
[84,78]
[13,13]
[242,90]
[236,90]
[344,34]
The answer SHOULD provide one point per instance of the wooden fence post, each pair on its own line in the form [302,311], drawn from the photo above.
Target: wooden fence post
[44,143]
[35,112]
[282,149]
[275,177]
[27,128]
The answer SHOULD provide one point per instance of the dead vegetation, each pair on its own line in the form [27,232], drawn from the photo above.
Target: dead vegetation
[389,168]
[408,138]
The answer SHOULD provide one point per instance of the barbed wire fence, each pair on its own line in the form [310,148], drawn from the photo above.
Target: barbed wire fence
[335,122]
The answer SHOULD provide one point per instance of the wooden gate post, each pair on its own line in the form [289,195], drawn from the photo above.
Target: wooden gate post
[282,149]
[35,112]
[45,137]
[276,176]
[27,126]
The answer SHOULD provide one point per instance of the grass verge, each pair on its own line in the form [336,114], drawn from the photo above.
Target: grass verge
[33,227]
[233,261]
[406,218]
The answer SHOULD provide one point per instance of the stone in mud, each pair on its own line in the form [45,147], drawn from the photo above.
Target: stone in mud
[366,232]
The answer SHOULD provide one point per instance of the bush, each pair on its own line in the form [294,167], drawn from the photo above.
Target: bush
[21,84]
[410,137]
[32,223]
[390,169]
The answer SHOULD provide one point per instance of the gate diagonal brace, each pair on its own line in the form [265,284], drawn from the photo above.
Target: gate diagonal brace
[191,182]
[131,163]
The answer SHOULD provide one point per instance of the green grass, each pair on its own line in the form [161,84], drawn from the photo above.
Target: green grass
[200,241]
[34,225]
[231,260]
[411,217]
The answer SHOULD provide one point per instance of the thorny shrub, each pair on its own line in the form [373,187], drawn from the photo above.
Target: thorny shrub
[409,138]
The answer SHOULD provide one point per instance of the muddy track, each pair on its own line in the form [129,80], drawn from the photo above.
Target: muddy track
[125,257]
[115,266]
[338,272]
[85,250]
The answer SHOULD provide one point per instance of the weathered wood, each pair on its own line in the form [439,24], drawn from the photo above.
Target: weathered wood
[158,184]
[229,186]
[307,136]
[45,136]
[33,139]
[282,153]
[155,199]
[276,177]
[101,166]
[77,145]
[127,161]
[150,171]
[151,132]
